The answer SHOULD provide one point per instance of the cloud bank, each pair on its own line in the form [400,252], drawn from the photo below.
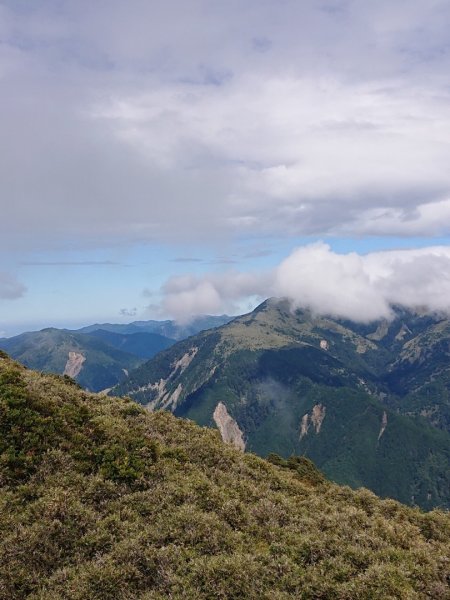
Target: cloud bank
[358,287]
[128,124]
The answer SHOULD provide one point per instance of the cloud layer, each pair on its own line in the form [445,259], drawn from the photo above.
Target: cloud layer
[358,287]
[266,118]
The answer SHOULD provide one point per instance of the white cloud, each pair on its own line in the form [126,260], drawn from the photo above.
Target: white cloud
[10,287]
[186,296]
[153,127]
[358,287]
[315,277]
[303,155]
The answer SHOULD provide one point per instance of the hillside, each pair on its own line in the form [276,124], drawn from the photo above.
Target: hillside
[101,499]
[92,362]
[352,398]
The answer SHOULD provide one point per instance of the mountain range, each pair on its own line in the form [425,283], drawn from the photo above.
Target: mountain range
[100,356]
[368,403]
[169,329]
[90,361]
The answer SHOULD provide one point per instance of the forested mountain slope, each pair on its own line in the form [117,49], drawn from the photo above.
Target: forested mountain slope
[368,403]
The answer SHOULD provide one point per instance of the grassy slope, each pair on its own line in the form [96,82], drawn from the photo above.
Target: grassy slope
[101,499]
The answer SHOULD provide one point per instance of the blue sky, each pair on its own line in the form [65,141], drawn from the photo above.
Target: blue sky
[162,159]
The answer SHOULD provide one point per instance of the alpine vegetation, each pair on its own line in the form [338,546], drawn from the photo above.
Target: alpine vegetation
[101,499]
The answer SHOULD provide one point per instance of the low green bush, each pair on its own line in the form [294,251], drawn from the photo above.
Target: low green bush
[101,500]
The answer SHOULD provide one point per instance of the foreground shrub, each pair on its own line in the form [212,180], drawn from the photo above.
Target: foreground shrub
[102,500]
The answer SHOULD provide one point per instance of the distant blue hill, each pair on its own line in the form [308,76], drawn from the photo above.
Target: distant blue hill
[167,329]
[141,344]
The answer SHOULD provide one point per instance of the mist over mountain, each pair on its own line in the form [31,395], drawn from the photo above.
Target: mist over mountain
[346,285]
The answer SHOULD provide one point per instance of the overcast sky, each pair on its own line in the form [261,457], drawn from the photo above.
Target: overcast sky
[190,156]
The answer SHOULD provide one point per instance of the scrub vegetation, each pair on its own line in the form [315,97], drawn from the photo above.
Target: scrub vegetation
[100,499]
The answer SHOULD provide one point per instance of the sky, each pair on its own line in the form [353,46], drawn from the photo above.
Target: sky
[166,159]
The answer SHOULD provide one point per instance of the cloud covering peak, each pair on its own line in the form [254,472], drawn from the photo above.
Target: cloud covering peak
[357,287]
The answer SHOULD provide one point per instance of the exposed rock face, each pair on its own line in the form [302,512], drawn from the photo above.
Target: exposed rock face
[229,429]
[104,392]
[381,331]
[317,416]
[324,345]
[404,331]
[171,400]
[162,395]
[315,419]
[74,364]
[183,362]
[304,426]
[384,422]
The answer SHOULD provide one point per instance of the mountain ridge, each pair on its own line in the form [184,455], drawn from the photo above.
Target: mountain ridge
[168,328]
[100,358]
[276,370]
